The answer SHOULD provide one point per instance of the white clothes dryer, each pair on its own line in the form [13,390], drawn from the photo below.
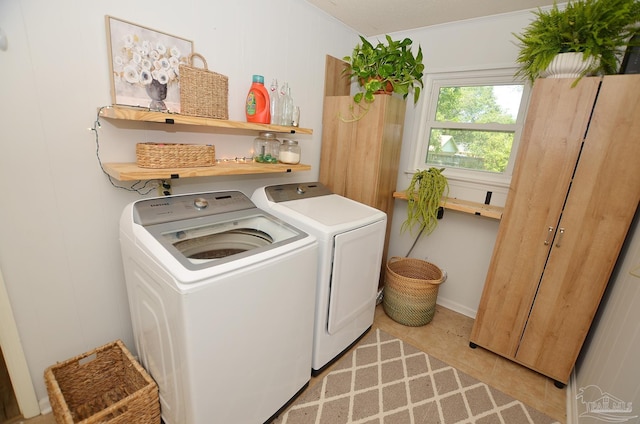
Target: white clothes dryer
[221,295]
[350,243]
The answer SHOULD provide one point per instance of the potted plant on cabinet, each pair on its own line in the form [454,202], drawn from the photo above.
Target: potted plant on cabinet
[596,31]
[390,67]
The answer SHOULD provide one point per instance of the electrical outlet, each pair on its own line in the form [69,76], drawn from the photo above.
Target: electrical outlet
[164,188]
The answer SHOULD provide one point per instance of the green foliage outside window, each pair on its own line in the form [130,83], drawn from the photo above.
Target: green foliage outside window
[459,137]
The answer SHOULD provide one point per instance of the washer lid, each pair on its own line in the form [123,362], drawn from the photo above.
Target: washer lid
[202,243]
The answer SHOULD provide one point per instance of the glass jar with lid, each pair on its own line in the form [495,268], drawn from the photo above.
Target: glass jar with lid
[290,152]
[266,148]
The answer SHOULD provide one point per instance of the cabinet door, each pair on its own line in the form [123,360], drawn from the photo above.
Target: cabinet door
[554,130]
[600,207]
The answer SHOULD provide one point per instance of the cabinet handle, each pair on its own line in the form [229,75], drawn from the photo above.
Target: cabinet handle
[549,234]
[560,237]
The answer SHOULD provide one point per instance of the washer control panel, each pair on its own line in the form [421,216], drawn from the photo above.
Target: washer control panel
[187,206]
[295,191]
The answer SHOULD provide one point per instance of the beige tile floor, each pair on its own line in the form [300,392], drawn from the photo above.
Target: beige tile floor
[447,338]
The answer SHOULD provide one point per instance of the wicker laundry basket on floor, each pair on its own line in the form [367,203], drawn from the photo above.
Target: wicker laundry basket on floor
[105,385]
[411,290]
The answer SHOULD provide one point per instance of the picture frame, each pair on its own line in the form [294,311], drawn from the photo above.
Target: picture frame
[144,65]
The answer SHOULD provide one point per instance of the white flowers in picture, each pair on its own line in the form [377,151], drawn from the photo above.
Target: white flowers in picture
[144,66]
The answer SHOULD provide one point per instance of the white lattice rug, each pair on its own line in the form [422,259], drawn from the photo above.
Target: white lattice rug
[385,380]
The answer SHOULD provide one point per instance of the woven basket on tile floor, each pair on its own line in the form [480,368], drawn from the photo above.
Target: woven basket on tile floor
[202,92]
[411,290]
[105,385]
[162,155]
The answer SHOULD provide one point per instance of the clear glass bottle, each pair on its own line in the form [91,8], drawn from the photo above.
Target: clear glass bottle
[295,121]
[282,94]
[287,110]
[289,152]
[274,106]
[266,148]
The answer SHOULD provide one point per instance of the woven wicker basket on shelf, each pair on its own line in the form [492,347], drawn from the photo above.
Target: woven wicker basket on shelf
[202,92]
[411,290]
[105,385]
[162,155]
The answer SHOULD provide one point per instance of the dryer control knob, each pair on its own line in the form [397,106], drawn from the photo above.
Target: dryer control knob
[300,190]
[200,203]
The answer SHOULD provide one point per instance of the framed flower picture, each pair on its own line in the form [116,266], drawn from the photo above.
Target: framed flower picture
[144,65]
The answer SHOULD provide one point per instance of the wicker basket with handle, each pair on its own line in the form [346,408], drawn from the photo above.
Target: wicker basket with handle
[411,290]
[202,92]
[105,385]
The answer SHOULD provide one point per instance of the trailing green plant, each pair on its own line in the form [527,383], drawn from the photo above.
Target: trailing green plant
[601,29]
[393,63]
[425,192]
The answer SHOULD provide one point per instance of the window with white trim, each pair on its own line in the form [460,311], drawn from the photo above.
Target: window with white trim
[471,124]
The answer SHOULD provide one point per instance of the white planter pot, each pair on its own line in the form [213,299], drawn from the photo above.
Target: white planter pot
[567,65]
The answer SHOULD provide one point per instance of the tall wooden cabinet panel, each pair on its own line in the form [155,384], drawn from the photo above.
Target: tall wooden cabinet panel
[546,159]
[574,193]
[360,159]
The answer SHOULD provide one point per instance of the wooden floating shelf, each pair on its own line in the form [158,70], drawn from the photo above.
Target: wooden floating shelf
[466,206]
[145,115]
[132,172]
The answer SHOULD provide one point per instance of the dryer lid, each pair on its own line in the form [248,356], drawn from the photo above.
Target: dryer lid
[334,210]
[316,203]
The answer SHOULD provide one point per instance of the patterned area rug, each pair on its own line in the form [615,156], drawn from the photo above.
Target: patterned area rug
[385,380]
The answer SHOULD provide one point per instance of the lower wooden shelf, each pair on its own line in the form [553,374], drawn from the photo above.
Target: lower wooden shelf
[132,172]
[466,206]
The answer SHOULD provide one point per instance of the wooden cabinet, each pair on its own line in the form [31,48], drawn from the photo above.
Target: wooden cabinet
[574,193]
[359,159]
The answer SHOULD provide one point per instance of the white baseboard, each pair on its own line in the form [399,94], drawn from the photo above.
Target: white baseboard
[572,405]
[457,307]
[45,406]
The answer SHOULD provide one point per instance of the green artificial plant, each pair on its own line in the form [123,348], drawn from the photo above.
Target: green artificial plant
[426,190]
[601,29]
[393,64]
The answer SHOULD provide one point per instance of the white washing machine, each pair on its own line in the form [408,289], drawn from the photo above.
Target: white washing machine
[350,244]
[221,295]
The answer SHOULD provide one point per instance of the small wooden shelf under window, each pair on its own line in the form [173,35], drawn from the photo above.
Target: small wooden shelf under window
[466,206]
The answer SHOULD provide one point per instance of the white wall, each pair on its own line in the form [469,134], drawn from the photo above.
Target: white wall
[461,244]
[59,214]
[609,360]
